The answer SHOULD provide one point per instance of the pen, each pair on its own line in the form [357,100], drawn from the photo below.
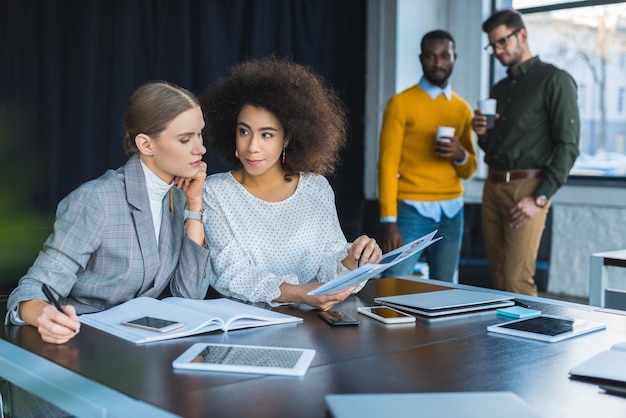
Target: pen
[51,298]
[518,303]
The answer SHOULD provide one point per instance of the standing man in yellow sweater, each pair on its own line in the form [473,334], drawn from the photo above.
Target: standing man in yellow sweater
[419,178]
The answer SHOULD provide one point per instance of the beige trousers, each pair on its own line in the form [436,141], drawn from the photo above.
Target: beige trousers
[511,252]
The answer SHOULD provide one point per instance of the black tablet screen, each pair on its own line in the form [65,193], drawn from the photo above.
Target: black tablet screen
[543,325]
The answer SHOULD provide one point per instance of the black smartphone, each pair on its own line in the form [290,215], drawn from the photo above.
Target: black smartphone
[338,318]
[154,324]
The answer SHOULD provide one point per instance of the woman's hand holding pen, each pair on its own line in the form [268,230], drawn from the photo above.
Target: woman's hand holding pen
[56,327]
[362,251]
[53,326]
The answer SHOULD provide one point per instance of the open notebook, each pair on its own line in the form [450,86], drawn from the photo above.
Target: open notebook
[197,316]
[446,302]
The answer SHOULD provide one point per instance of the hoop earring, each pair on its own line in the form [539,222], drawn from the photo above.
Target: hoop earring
[283,158]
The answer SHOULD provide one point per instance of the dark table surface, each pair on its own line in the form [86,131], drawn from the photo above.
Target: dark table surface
[454,354]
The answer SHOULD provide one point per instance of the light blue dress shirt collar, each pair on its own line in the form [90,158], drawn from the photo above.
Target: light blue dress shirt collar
[434,91]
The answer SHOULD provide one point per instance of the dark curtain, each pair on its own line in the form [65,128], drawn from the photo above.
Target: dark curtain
[67,68]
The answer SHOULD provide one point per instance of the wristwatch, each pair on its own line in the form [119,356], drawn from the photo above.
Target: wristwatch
[198,216]
[541,200]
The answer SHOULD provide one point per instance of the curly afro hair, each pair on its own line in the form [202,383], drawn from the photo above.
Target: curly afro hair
[312,115]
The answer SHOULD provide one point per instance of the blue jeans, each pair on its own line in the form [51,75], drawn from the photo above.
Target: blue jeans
[442,256]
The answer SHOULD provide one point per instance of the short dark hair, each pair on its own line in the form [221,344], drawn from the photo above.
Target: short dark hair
[510,18]
[437,34]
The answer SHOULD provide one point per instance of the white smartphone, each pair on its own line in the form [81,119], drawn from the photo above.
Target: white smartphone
[386,314]
[154,324]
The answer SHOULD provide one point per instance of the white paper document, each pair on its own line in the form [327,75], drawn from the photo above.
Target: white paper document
[367,271]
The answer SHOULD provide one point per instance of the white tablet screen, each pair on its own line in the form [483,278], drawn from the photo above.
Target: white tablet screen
[246,359]
[547,327]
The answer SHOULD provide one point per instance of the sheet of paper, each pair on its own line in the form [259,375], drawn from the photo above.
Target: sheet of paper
[367,271]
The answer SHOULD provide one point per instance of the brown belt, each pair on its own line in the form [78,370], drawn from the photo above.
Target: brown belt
[507,176]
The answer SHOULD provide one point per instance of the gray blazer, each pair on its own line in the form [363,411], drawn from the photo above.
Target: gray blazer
[103,250]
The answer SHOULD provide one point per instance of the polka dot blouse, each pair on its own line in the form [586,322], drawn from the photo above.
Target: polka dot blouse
[256,245]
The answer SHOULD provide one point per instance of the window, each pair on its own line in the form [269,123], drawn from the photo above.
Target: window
[588,38]
[582,97]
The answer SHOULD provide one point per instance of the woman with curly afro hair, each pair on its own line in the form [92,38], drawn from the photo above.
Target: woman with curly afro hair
[274,233]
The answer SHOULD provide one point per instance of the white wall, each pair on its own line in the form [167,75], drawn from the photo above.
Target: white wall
[585,219]
[414,19]
[578,231]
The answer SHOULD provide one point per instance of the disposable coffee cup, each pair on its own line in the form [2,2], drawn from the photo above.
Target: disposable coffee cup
[488,108]
[444,133]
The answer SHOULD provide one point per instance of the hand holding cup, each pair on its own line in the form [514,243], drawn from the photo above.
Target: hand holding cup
[488,109]
[447,145]
[444,133]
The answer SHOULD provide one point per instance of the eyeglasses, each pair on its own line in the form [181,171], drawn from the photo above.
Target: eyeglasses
[501,43]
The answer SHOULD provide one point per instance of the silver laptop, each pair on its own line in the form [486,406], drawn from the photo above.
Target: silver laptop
[446,302]
[431,405]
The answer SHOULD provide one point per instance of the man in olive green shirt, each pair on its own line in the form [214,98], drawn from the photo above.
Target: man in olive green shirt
[529,151]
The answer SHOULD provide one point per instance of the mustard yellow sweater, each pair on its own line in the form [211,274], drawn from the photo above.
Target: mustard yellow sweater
[408,168]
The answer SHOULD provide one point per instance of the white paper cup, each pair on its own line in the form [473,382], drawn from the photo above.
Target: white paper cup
[488,108]
[444,133]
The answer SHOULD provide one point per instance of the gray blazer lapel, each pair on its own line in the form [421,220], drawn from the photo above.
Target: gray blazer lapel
[172,230]
[137,197]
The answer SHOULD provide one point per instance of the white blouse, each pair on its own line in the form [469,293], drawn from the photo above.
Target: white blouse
[157,189]
[256,245]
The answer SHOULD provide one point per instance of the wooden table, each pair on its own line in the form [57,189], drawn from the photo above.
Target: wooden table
[439,355]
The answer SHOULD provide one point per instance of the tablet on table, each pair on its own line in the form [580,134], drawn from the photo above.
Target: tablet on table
[246,359]
[547,327]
